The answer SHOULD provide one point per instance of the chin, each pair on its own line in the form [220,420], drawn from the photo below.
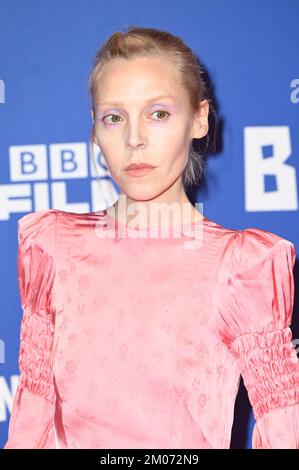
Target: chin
[142,193]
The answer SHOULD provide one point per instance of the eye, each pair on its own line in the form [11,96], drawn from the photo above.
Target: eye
[108,115]
[163,112]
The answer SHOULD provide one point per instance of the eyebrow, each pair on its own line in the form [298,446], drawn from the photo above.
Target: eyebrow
[115,103]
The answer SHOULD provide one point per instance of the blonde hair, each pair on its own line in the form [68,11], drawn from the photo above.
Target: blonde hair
[134,42]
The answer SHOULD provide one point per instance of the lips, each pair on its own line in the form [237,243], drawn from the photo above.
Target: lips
[137,166]
[140,169]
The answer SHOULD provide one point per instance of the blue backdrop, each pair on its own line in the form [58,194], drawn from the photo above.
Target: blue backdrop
[250,50]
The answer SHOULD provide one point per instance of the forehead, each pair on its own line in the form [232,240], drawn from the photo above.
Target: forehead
[138,80]
[112,101]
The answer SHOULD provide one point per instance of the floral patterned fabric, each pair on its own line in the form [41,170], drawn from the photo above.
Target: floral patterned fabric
[138,342]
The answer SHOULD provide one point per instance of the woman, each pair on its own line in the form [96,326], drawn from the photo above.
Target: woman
[131,339]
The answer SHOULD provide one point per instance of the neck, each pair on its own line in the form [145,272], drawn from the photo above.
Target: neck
[166,209]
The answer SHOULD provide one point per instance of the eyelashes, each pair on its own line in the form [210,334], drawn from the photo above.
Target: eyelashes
[116,115]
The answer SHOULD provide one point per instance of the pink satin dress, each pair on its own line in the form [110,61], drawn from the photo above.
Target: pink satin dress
[141,342]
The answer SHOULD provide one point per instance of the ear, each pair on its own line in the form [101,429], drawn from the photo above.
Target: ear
[92,115]
[200,126]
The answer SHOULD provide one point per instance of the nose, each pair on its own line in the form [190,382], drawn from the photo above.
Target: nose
[135,137]
[134,144]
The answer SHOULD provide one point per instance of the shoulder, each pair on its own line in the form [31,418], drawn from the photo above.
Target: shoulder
[252,246]
[241,243]
[50,227]
[36,258]
[29,223]
[254,252]
[38,228]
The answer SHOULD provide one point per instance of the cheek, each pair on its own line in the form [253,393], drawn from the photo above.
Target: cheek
[176,152]
[109,148]
[113,163]
[178,164]
[106,140]
[170,144]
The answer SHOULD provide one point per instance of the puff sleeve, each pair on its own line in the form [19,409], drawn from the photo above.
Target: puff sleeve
[255,296]
[32,417]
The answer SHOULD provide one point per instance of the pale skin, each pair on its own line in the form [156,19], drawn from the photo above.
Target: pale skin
[129,127]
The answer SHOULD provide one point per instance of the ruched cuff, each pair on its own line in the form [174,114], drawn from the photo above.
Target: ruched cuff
[35,355]
[270,369]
